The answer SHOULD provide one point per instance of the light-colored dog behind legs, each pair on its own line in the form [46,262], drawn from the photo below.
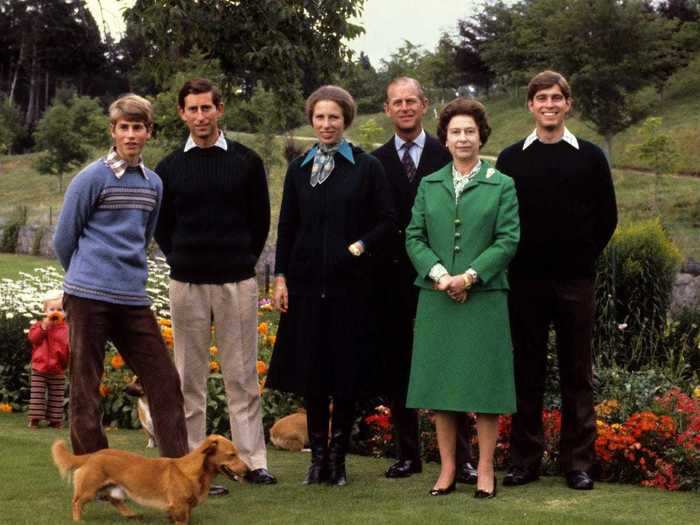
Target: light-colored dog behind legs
[175,486]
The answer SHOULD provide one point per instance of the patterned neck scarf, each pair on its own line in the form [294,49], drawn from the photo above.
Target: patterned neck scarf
[323,163]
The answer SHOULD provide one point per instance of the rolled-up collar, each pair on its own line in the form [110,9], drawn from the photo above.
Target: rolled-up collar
[344,149]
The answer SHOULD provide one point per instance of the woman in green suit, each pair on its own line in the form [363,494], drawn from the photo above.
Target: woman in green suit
[463,233]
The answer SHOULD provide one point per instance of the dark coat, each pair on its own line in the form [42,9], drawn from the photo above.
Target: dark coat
[325,342]
[396,294]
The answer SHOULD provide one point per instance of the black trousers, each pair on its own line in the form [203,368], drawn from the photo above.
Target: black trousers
[534,305]
[135,333]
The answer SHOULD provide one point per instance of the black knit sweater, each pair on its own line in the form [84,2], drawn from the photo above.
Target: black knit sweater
[215,214]
[567,207]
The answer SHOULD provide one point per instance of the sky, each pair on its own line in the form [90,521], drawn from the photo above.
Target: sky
[387,23]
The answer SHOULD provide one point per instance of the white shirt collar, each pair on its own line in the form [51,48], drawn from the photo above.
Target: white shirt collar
[220,143]
[418,141]
[567,137]
[470,175]
[119,166]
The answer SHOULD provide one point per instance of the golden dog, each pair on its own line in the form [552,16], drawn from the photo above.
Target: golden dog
[291,432]
[173,485]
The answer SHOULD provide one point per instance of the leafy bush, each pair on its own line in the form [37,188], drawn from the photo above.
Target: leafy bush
[10,232]
[11,130]
[635,278]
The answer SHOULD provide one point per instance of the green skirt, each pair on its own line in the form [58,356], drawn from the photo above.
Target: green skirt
[462,354]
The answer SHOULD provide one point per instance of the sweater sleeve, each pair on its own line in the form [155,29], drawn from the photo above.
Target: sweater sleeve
[166,216]
[606,214]
[60,344]
[288,225]
[36,334]
[153,216]
[77,208]
[495,259]
[259,205]
[382,206]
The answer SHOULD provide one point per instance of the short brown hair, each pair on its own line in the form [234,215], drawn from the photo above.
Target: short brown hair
[407,80]
[196,86]
[334,94]
[133,108]
[545,80]
[468,107]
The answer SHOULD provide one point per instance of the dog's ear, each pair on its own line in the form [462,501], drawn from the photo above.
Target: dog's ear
[211,446]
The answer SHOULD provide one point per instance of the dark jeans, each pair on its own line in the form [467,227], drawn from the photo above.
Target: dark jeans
[534,305]
[135,333]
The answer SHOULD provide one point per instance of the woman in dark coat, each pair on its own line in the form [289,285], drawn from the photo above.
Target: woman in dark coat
[336,207]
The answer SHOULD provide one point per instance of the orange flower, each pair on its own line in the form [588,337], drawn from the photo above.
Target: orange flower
[117,361]
[262,328]
[104,390]
[164,322]
[271,340]
[5,408]
[213,366]
[213,350]
[261,367]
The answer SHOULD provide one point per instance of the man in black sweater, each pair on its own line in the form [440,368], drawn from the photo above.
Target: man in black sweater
[213,223]
[567,216]
[408,156]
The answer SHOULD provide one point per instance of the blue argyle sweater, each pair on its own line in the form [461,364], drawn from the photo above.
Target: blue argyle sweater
[102,233]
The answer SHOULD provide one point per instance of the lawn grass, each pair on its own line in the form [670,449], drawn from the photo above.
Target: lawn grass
[32,493]
[11,264]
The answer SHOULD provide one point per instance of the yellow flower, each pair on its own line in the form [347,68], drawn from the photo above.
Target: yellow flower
[117,361]
[213,350]
[165,322]
[213,366]
[5,408]
[262,328]
[696,392]
[261,367]
[271,340]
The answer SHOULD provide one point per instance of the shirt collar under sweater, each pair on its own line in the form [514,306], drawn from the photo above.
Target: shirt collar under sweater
[118,165]
[414,152]
[344,149]
[568,137]
[220,143]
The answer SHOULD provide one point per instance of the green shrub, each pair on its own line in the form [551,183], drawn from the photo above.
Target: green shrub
[635,278]
[10,232]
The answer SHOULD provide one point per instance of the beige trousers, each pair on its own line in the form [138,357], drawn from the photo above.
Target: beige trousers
[233,307]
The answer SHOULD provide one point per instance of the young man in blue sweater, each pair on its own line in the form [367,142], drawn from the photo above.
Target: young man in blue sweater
[107,220]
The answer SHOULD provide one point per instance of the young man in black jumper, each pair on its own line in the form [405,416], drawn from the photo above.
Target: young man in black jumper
[213,224]
[567,216]
[405,105]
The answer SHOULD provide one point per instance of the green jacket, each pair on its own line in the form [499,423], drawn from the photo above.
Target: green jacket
[481,231]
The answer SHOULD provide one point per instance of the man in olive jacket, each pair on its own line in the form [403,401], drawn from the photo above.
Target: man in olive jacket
[405,105]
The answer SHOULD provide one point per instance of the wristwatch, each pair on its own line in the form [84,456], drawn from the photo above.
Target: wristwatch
[470,277]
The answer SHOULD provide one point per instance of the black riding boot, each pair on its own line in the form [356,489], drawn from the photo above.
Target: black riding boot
[317,422]
[343,418]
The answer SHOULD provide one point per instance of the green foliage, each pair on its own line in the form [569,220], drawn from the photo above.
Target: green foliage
[66,131]
[635,278]
[10,125]
[369,133]
[634,391]
[10,231]
[14,360]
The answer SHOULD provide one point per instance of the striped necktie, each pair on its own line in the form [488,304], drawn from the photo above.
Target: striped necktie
[407,161]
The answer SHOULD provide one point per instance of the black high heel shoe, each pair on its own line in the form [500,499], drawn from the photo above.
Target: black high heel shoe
[444,492]
[482,494]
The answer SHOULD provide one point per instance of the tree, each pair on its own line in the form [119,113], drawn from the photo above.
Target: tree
[370,134]
[405,61]
[439,67]
[67,131]
[367,86]
[10,125]
[274,42]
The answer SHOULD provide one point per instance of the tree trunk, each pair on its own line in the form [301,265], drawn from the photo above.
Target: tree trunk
[31,105]
[46,90]
[20,59]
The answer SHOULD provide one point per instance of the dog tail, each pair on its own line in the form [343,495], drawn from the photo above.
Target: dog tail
[64,460]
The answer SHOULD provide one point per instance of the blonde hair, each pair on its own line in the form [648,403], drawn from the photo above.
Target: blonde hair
[131,107]
[50,296]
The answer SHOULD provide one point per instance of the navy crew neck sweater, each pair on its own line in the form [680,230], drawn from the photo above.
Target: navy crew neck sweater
[215,214]
[567,207]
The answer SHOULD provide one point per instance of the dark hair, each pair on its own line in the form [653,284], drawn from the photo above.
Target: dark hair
[545,80]
[196,86]
[334,94]
[468,107]
[406,80]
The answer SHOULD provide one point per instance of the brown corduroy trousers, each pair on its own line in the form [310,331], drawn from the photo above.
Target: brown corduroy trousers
[135,333]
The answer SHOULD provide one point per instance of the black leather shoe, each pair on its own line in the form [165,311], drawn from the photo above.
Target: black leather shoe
[217,490]
[466,473]
[260,476]
[482,494]
[579,480]
[404,468]
[519,476]
[444,492]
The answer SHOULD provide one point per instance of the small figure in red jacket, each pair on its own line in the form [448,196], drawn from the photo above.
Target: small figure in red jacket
[50,351]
